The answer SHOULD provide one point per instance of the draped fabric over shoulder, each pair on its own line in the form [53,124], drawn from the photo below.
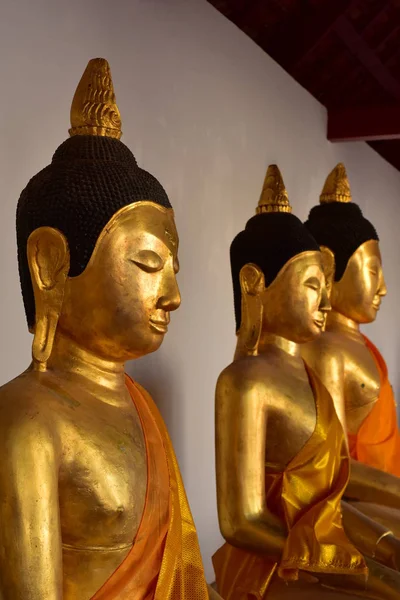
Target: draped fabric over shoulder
[307,497]
[165,561]
[377,442]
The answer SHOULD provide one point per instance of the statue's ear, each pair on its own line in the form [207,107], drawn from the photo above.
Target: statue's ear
[48,259]
[328,265]
[252,280]
[252,284]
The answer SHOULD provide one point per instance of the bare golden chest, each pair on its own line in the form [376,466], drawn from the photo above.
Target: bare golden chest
[290,410]
[361,384]
[103,477]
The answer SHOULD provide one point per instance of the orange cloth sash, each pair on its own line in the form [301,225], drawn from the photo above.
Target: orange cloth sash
[165,561]
[377,442]
[306,496]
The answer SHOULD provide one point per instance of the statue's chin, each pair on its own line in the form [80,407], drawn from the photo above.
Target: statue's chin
[308,335]
[152,343]
[367,317]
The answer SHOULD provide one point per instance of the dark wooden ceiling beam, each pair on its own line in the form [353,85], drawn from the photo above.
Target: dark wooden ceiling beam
[250,10]
[296,39]
[372,24]
[383,43]
[364,124]
[358,47]
[251,16]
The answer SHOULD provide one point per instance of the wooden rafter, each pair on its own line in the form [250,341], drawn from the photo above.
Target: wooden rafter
[358,47]
[298,37]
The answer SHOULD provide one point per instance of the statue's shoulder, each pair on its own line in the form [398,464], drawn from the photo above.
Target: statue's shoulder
[246,375]
[328,339]
[328,343]
[30,446]
[26,403]
[325,357]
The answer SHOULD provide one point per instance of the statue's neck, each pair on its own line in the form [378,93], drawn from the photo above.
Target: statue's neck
[338,323]
[269,339]
[69,357]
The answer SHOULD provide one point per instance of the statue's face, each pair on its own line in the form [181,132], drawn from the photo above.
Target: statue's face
[358,294]
[296,302]
[119,307]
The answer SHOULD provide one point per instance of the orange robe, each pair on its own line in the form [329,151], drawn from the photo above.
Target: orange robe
[164,562]
[306,496]
[377,442]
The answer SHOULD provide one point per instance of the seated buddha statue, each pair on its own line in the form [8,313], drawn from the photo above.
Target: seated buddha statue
[92,501]
[348,363]
[281,455]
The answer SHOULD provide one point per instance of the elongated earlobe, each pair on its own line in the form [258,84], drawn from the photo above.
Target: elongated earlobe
[48,258]
[252,284]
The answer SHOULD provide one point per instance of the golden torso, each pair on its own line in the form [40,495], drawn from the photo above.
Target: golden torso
[361,379]
[100,457]
[285,391]
[347,368]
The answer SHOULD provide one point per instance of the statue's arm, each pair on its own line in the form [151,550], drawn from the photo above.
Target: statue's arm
[368,484]
[241,429]
[30,539]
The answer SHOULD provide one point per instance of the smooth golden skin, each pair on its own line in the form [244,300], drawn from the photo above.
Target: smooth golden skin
[345,365]
[357,296]
[73,475]
[265,412]
[340,356]
[133,272]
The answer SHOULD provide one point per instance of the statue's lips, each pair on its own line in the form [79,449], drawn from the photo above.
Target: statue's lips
[159,326]
[376,305]
[319,322]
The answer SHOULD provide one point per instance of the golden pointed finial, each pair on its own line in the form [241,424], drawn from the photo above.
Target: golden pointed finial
[94,110]
[337,187]
[274,197]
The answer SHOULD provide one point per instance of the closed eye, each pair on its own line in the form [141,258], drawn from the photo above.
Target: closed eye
[148,261]
[374,266]
[313,283]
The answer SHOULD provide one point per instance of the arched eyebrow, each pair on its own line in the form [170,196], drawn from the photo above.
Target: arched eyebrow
[374,261]
[375,257]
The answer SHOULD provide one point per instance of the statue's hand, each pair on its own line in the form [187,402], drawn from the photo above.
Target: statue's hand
[389,547]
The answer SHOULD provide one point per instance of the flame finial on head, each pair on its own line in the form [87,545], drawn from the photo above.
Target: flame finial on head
[274,197]
[337,187]
[94,110]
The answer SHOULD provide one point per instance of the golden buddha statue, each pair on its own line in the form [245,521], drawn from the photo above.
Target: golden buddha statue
[92,501]
[281,455]
[349,365]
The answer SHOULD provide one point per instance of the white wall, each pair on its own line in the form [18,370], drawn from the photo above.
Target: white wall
[205,110]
